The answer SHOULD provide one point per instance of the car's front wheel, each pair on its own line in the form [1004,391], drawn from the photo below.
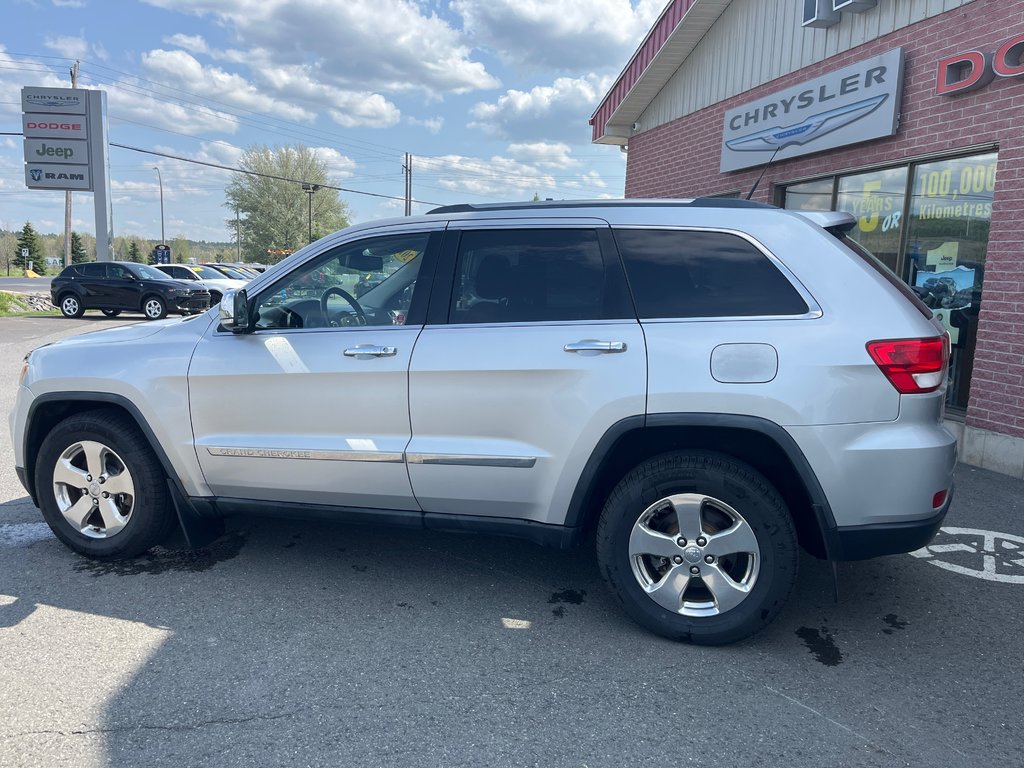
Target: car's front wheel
[101,489]
[698,546]
[70,306]
[154,308]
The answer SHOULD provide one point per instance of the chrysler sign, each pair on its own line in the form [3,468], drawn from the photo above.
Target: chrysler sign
[854,104]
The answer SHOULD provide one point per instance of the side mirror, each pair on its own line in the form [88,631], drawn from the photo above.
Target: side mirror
[234,311]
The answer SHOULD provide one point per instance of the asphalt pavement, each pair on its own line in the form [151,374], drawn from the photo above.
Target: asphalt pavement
[301,644]
[25,284]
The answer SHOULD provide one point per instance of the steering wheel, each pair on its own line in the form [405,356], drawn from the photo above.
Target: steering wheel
[360,314]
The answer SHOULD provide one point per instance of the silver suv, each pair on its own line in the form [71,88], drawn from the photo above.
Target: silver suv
[705,386]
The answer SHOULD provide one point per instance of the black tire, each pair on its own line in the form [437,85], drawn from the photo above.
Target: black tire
[767,576]
[151,516]
[111,312]
[71,306]
[154,307]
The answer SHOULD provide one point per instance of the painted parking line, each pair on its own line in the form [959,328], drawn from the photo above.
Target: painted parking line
[973,552]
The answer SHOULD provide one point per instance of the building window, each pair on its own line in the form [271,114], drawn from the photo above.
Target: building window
[877,200]
[809,196]
[947,237]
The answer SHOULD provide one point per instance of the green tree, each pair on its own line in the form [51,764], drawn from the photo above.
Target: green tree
[275,213]
[134,254]
[28,238]
[181,250]
[78,254]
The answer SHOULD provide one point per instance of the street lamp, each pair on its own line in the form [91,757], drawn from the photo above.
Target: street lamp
[309,189]
[161,180]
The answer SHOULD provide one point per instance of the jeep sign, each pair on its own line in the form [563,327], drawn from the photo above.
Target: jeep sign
[57,151]
[848,106]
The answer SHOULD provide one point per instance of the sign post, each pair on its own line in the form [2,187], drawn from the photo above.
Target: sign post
[65,133]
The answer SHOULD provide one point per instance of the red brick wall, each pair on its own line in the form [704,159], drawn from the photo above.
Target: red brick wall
[680,159]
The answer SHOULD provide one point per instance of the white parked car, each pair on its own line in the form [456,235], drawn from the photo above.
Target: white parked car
[210,279]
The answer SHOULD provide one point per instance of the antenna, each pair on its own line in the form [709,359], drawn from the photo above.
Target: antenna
[767,166]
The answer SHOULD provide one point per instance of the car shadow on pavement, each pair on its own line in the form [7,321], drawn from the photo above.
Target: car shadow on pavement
[291,642]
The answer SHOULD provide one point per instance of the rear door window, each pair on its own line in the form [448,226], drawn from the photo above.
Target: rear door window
[533,275]
[93,271]
[693,273]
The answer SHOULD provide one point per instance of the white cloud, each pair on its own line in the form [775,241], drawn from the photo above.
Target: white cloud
[350,109]
[388,45]
[547,112]
[568,35]
[69,3]
[181,70]
[74,47]
[339,166]
[527,168]
[544,154]
[432,124]
[15,73]
[191,43]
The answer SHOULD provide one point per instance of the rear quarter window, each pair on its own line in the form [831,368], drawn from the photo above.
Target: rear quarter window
[692,273]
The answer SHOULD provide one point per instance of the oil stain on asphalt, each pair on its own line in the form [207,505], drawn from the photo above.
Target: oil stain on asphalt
[822,645]
[894,623]
[573,596]
[160,560]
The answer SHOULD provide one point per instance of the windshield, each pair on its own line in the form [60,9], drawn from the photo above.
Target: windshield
[207,273]
[149,273]
[234,274]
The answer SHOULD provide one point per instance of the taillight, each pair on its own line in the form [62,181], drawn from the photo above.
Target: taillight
[913,366]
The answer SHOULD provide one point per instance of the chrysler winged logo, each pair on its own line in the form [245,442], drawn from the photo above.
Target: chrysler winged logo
[810,129]
[35,173]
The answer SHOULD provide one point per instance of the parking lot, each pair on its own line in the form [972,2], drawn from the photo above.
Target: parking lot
[288,643]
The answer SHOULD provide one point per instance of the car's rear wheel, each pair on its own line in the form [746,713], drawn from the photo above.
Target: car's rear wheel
[154,308]
[698,547]
[111,312]
[100,487]
[70,306]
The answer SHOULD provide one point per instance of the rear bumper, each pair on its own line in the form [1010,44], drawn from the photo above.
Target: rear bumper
[861,542]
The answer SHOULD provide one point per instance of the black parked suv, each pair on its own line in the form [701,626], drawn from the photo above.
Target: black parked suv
[113,286]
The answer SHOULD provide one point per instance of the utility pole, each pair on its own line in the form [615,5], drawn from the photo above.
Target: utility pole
[309,189]
[160,178]
[407,170]
[238,237]
[67,195]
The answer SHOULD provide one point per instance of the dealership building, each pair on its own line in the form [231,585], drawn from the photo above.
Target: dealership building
[908,114]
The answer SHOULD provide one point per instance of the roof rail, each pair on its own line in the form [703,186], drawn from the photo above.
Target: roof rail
[697,202]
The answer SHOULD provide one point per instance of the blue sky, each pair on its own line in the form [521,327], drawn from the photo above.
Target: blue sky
[492,97]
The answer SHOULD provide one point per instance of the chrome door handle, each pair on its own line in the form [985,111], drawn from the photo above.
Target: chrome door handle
[371,350]
[591,345]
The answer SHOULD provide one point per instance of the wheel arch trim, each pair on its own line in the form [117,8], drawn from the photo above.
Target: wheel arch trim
[577,513]
[100,399]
